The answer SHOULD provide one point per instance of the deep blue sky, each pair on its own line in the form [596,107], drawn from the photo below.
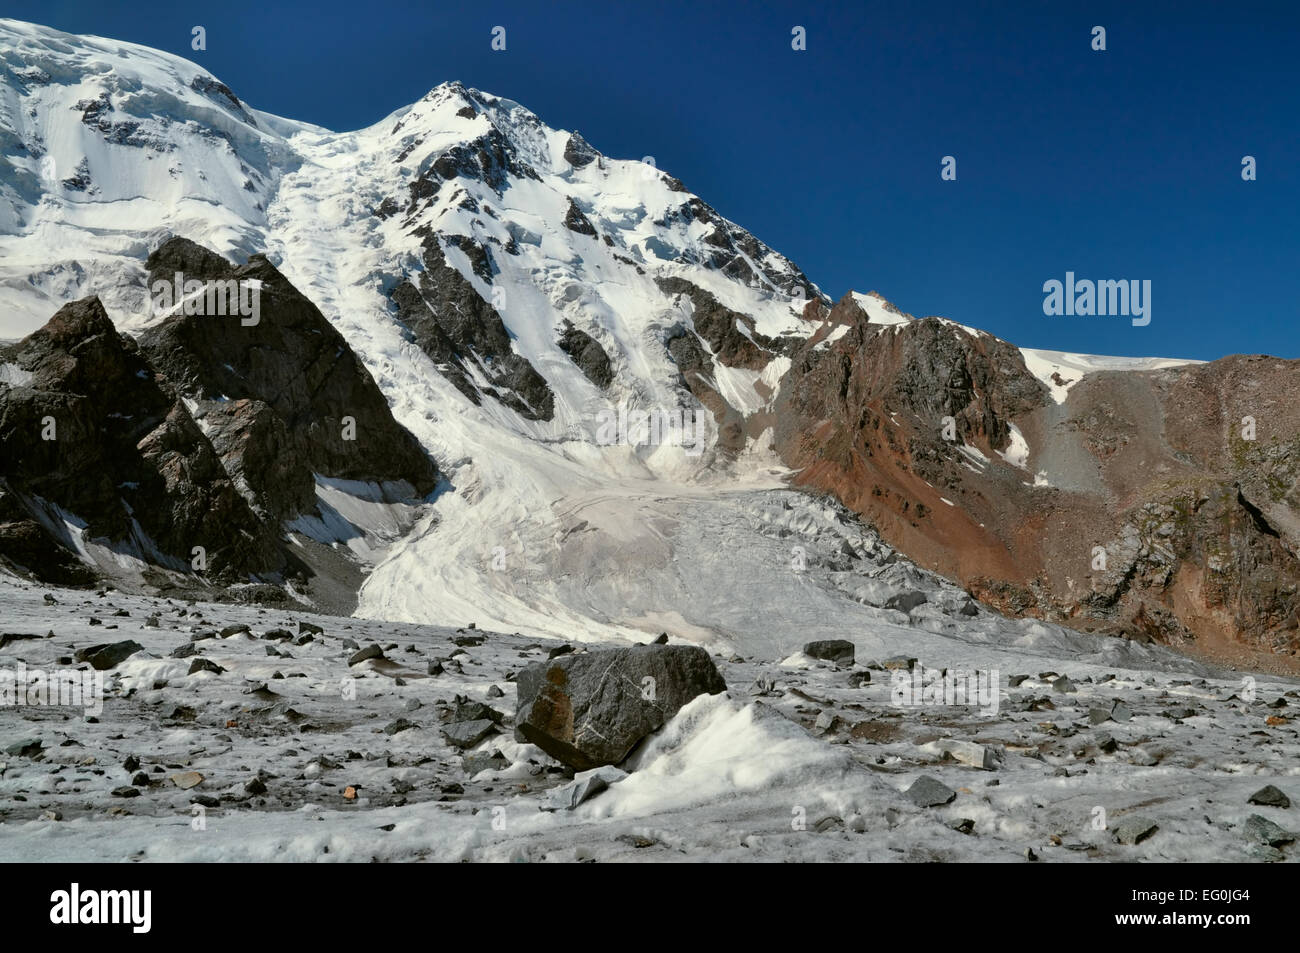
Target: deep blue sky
[1119,164]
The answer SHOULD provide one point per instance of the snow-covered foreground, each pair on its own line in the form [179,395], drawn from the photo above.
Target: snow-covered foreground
[741,776]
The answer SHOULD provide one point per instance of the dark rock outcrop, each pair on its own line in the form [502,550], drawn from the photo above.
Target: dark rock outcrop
[576,221]
[283,398]
[453,324]
[578,152]
[205,434]
[125,458]
[721,327]
[587,353]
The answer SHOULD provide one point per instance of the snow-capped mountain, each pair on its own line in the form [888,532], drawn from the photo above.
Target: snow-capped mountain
[530,308]
[511,290]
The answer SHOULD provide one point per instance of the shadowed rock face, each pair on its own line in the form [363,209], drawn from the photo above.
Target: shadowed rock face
[453,324]
[587,353]
[127,458]
[578,152]
[720,327]
[274,402]
[1199,528]
[277,395]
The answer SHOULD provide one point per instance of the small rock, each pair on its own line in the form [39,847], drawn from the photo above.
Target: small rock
[187,779]
[400,725]
[473,711]
[839,651]
[1269,855]
[826,722]
[466,734]
[104,657]
[763,687]
[1270,797]
[1134,830]
[585,785]
[899,662]
[1264,831]
[369,652]
[1143,758]
[474,763]
[929,792]
[968,752]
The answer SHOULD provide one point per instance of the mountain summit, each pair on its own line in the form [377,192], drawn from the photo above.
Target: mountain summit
[580,395]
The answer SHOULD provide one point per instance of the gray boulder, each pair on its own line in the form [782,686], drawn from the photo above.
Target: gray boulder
[1270,797]
[839,651]
[1264,831]
[466,734]
[1134,830]
[365,655]
[929,792]
[104,657]
[592,709]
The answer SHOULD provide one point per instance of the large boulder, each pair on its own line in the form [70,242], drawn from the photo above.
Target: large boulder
[591,709]
[839,651]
